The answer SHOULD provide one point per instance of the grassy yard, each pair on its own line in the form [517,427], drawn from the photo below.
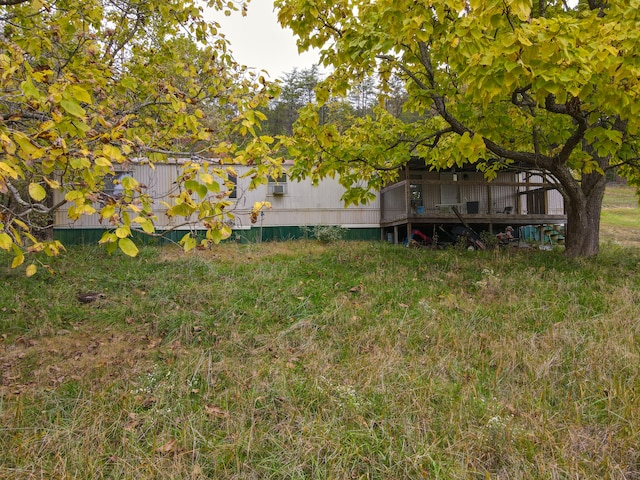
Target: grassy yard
[301,360]
[621,216]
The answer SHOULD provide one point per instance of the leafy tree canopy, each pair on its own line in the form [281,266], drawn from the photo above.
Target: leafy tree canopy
[88,85]
[538,85]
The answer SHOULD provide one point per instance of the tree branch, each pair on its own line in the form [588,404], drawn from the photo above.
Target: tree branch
[408,72]
[35,207]
[572,108]
[520,97]
[20,115]
[436,138]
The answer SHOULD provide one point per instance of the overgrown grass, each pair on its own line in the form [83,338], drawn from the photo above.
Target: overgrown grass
[620,196]
[620,219]
[301,360]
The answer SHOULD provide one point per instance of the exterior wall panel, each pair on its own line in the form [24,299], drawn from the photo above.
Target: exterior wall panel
[302,204]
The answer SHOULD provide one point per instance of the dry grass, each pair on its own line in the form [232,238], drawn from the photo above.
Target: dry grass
[620,221]
[301,360]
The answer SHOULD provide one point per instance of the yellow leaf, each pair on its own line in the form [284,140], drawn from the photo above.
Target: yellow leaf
[145,223]
[103,162]
[8,170]
[87,210]
[26,145]
[18,259]
[108,211]
[73,196]
[206,178]
[128,247]
[31,270]
[108,237]
[21,224]
[7,144]
[5,241]
[37,192]
[188,242]
[147,226]
[54,184]
[112,152]
[123,232]
[258,206]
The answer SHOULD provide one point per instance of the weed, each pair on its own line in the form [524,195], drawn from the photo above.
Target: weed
[325,233]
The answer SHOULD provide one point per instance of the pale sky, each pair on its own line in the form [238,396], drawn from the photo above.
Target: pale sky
[259,42]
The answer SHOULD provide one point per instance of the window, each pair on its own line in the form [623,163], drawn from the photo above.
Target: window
[233,190]
[113,184]
[277,186]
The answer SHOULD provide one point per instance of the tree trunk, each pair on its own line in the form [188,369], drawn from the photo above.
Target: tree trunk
[584,206]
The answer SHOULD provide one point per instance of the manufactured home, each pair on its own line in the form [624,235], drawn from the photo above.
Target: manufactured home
[420,199]
[294,206]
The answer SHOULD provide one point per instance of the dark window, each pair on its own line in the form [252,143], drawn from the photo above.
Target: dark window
[536,201]
[281,179]
[234,189]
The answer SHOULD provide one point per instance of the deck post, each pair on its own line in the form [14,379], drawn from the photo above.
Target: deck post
[407,191]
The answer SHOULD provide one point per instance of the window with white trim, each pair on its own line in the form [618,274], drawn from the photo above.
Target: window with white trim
[278,186]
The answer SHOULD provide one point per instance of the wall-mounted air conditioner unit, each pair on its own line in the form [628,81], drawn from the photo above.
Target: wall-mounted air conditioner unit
[279,189]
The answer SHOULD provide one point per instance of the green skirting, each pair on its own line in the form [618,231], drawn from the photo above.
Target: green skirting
[85,236]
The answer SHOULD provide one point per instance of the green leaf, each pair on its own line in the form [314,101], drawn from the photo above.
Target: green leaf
[197,187]
[180,209]
[128,247]
[129,183]
[73,108]
[111,247]
[80,94]
[29,89]
[129,82]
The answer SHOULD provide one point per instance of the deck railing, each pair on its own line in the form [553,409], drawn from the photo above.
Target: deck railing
[434,199]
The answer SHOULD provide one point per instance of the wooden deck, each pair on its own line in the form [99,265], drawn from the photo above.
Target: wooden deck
[477,219]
